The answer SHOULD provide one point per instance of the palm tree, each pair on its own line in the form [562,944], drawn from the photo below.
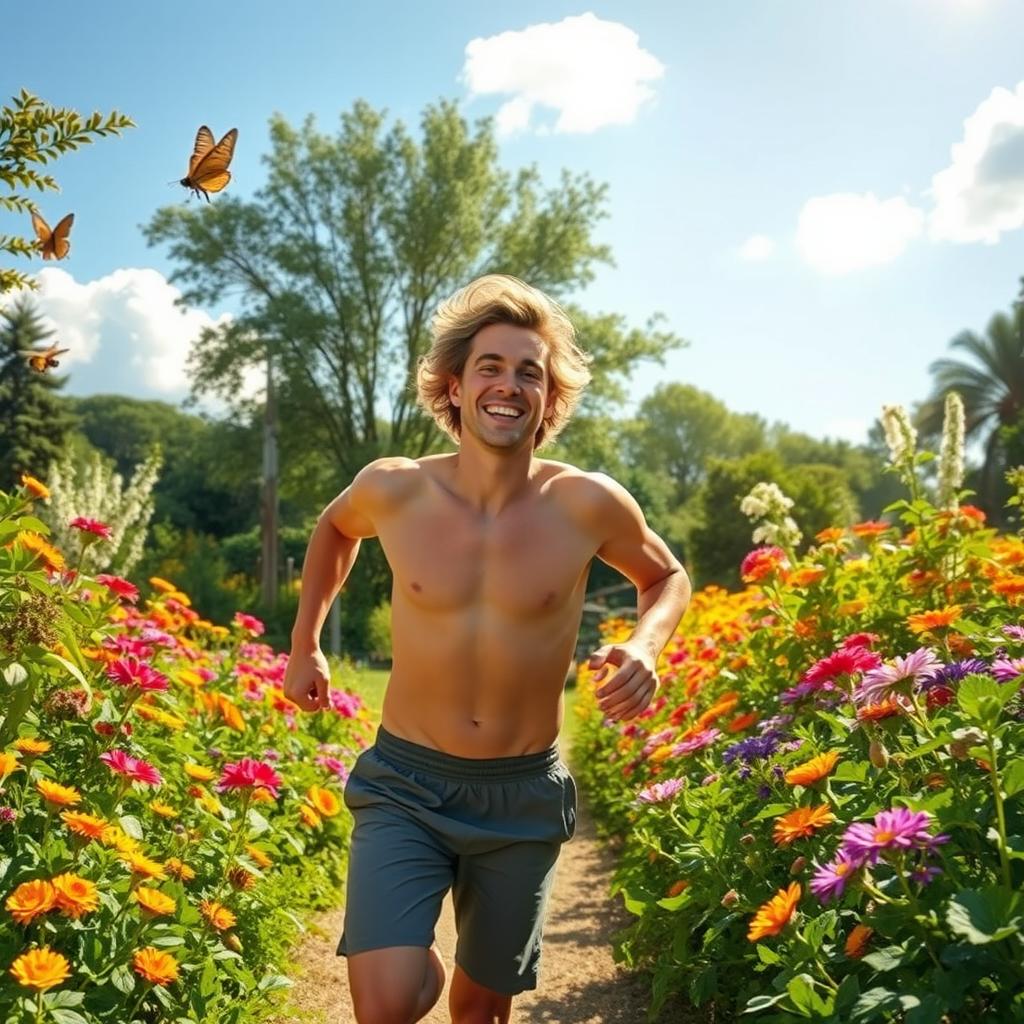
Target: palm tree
[993,393]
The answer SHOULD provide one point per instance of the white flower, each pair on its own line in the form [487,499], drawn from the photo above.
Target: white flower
[900,435]
[951,454]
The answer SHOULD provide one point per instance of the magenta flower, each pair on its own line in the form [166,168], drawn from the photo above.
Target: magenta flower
[925,873]
[250,623]
[118,585]
[830,879]
[656,739]
[844,662]
[885,681]
[896,829]
[1014,632]
[131,767]
[130,671]
[1007,669]
[93,526]
[346,704]
[249,773]
[698,741]
[659,792]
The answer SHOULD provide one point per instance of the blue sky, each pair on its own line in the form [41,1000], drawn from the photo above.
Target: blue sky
[818,196]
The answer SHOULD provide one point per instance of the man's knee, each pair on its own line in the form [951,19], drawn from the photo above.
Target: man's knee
[471,1003]
[393,986]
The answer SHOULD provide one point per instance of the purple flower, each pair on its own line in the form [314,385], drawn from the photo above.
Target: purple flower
[753,748]
[884,681]
[7,815]
[830,879]
[925,873]
[699,741]
[896,829]
[763,792]
[1007,669]
[954,673]
[1014,632]
[659,792]
[710,780]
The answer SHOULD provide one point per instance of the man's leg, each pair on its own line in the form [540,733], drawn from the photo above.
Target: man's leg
[396,985]
[470,1003]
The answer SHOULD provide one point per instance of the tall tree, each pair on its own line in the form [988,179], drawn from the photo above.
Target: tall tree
[993,393]
[34,423]
[344,254]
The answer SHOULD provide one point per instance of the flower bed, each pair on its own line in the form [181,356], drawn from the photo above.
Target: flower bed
[164,815]
[822,809]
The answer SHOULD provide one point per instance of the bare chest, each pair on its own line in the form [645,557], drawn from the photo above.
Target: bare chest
[526,562]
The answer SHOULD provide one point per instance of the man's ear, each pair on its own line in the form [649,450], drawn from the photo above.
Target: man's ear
[453,392]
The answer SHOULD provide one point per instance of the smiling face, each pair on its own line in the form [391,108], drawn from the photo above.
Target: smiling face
[504,393]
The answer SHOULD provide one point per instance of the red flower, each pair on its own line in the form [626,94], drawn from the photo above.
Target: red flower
[250,623]
[131,767]
[93,526]
[843,662]
[129,671]
[249,772]
[120,586]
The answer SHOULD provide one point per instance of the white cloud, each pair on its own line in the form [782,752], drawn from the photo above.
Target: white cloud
[592,72]
[981,193]
[756,249]
[844,232]
[124,331]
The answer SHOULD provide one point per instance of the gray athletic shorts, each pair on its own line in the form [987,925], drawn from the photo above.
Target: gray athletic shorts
[490,829]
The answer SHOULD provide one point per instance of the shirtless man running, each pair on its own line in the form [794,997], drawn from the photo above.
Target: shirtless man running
[490,549]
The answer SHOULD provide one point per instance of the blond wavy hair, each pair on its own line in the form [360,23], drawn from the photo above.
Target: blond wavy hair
[500,299]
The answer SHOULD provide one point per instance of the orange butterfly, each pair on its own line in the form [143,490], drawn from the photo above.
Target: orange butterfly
[208,165]
[54,244]
[42,359]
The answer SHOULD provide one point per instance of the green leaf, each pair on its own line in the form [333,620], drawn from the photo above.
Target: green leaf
[849,991]
[767,955]
[62,1016]
[930,1011]
[805,999]
[272,982]
[927,748]
[1013,777]
[14,674]
[123,979]
[759,1003]
[132,826]
[981,698]
[873,1004]
[983,917]
[208,979]
[817,928]
[704,985]
[64,998]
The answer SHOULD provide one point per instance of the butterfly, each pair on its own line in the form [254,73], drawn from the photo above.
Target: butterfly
[208,165]
[54,244]
[43,359]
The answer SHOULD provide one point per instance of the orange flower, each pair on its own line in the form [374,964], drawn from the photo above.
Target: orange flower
[161,584]
[58,795]
[240,878]
[49,555]
[1009,586]
[806,576]
[115,836]
[851,608]
[8,764]
[155,901]
[41,969]
[812,771]
[801,822]
[190,678]
[30,900]
[142,865]
[231,715]
[741,722]
[924,622]
[34,487]
[870,528]
[86,825]
[31,745]
[75,895]
[774,915]
[217,914]
[677,887]
[164,810]
[857,941]
[308,815]
[323,801]
[876,712]
[258,856]
[155,966]
[180,869]
[829,535]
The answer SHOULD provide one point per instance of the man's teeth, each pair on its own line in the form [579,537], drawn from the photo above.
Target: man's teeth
[498,410]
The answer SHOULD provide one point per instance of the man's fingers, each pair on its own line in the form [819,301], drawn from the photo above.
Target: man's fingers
[321,693]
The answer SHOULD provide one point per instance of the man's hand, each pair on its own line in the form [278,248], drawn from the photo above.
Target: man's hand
[632,688]
[307,680]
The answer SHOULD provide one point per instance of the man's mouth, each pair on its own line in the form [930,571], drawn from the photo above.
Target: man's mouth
[503,413]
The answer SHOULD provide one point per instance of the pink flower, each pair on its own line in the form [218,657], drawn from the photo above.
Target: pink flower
[93,526]
[129,671]
[830,880]
[698,741]
[249,772]
[885,681]
[346,704]
[250,623]
[896,829]
[1007,669]
[844,662]
[131,767]
[658,792]
[119,586]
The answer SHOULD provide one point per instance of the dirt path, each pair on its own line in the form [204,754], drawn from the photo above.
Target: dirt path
[579,981]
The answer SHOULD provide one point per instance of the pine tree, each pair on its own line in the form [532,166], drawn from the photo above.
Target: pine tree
[34,424]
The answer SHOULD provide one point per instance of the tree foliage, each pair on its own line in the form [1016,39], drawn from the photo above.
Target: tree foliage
[34,133]
[345,253]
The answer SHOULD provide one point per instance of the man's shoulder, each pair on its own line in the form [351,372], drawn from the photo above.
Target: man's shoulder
[590,494]
[388,478]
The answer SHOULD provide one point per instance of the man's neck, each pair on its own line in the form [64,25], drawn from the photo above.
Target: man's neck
[490,480]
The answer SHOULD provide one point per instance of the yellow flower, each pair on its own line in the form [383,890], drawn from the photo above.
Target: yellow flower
[161,584]
[179,869]
[155,966]
[75,895]
[142,865]
[34,487]
[31,745]
[324,802]
[164,810]
[41,969]
[115,836]
[774,915]
[801,822]
[925,622]
[155,901]
[8,763]
[198,772]
[30,900]
[217,914]
[180,597]
[58,795]
[190,678]
[258,856]
[86,825]
[308,815]
[812,771]
[50,556]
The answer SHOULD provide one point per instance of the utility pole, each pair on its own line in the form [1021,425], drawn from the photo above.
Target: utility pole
[268,493]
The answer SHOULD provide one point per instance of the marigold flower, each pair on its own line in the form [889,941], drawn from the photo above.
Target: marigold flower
[801,822]
[774,915]
[75,895]
[179,869]
[308,816]
[31,745]
[857,941]
[876,712]
[156,902]
[258,856]
[741,722]
[164,810]
[85,825]
[34,487]
[870,528]
[677,887]
[155,966]
[199,772]
[157,583]
[8,763]
[924,622]
[217,914]
[115,836]
[814,770]
[230,713]
[58,795]
[240,878]
[30,899]
[41,969]
[47,553]
[324,802]
[142,865]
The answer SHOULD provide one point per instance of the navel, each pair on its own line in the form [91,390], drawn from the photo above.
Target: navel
[548,598]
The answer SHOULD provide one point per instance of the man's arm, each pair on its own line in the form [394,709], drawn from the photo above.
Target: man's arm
[629,545]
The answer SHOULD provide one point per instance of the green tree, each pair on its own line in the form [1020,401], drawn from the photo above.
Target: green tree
[34,424]
[34,133]
[345,253]
[993,394]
